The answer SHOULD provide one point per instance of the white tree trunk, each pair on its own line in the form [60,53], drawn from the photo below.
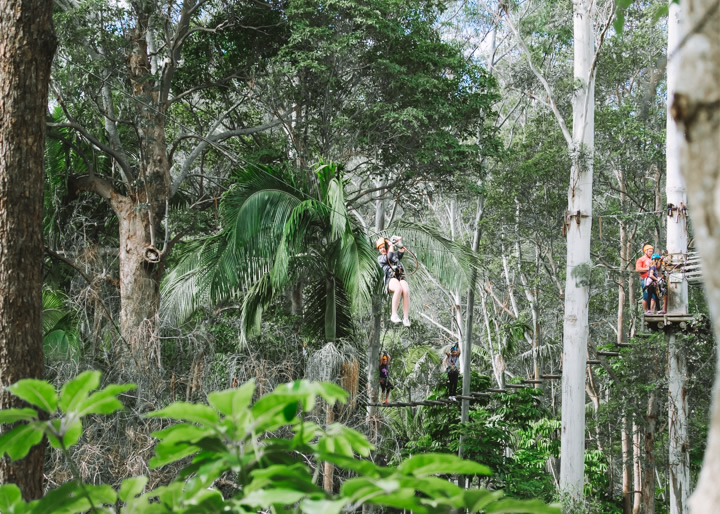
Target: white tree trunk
[678,443]
[696,109]
[455,295]
[469,319]
[579,223]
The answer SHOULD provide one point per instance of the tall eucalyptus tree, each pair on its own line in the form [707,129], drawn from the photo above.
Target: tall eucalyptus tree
[577,226]
[677,236]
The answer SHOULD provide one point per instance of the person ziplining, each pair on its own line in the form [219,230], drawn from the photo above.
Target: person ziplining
[384,373]
[452,360]
[391,253]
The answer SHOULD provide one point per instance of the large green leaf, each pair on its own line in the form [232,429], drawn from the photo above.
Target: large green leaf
[232,402]
[131,487]
[323,506]
[78,389]
[165,454]
[11,501]
[36,392]
[182,432]
[13,415]
[522,507]
[17,442]
[104,401]
[441,463]
[70,429]
[72,498]
[477,499]
[184,411]
[264,498]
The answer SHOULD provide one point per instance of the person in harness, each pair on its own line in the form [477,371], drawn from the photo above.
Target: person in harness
[384,372]
[452,359]
[642,265]
[391,253]
[656,286]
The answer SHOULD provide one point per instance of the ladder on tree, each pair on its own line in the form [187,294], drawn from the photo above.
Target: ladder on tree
[684,267]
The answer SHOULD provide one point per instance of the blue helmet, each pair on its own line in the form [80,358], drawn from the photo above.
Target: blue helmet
[655,256]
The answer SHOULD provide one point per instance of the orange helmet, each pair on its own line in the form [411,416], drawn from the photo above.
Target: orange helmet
[380,242]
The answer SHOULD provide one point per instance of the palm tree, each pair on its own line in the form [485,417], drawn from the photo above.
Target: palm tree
[279,229]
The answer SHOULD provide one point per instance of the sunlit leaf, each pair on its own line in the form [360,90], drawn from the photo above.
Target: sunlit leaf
[184,411]
[13,415]
[232,402]
[131,487]
[17,442]
[78,389]
[437,463]
[36,392]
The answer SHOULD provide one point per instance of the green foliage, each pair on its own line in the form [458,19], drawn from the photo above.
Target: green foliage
[232,438]
[66,410]
[514,421]
[60,333]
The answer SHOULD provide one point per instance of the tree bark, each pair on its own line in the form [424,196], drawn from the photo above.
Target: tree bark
[637,469]
[329,467]
[27,46]
[648,482]
[679,443]
[696,109]
[624,259]
[627,476]
[578,229]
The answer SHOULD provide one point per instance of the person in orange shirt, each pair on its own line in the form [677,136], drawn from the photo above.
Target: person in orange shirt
[642,265]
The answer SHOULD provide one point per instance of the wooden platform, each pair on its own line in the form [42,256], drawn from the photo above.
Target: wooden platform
[658,321]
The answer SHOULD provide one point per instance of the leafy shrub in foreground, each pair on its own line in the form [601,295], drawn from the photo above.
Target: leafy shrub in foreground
[230,437]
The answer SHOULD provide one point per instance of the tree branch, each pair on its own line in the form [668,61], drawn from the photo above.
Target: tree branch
[546,86]
[102,147]
[211,140]
[94,184]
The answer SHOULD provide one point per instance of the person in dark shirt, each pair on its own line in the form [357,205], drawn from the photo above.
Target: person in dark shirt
[391,253]
[452,359]
[384,372]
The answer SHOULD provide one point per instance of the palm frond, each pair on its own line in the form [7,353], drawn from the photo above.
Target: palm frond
[356,267]
[338,211]
[258,296]
[209,273]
